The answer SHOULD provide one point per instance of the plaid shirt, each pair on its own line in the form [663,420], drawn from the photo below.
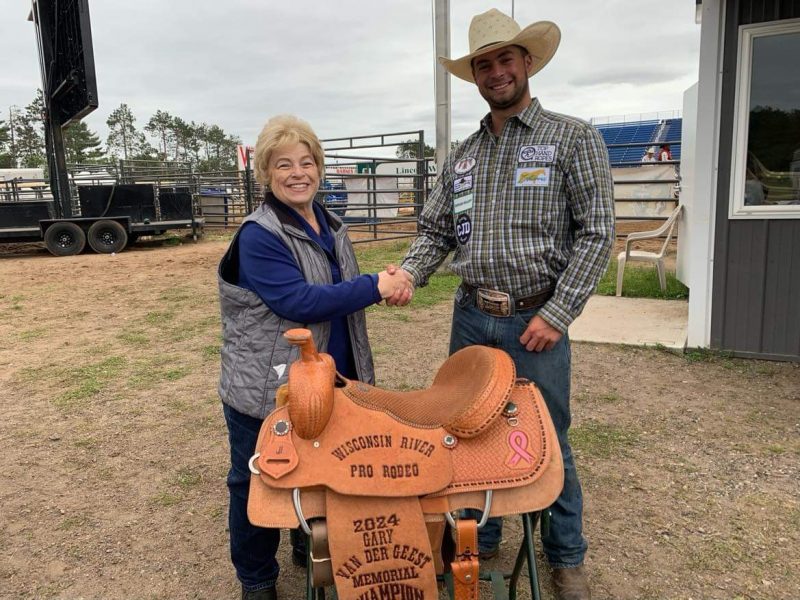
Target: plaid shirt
[530,210]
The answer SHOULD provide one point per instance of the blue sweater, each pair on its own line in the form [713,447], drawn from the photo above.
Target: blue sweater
[267,267]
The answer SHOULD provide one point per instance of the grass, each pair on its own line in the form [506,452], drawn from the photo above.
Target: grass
[373,258]
[641,282]
[87,443]
[177,294]
[600,440]
[159,317]
[149,373]
[441,288]
[89,380]
[610,398]
[73,522]
[776,449]
[187,478]
[134,338]
[32,334]
[166,499]
[211,351]
[184,480]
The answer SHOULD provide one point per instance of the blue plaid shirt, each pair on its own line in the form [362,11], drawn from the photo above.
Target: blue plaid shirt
[530,210]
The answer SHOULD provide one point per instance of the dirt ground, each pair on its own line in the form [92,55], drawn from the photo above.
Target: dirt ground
[114,449]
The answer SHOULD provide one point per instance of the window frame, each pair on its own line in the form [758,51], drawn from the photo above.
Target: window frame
[741,122]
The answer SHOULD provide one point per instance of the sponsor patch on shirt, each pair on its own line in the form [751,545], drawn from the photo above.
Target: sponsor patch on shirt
[465,165]
[463,184]
[463,228]
[545,153]
[532,176]
[462,203]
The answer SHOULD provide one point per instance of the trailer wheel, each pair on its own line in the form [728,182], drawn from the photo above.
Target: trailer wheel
[64,239]
[106,237]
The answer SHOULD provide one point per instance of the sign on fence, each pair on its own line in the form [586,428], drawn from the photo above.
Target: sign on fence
[241,156]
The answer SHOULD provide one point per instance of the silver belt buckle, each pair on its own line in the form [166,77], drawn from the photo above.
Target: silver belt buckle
[492,302]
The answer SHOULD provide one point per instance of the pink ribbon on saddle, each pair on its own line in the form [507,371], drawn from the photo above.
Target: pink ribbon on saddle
[518,442]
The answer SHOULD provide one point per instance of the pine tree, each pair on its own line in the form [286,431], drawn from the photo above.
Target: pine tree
[160,126]
[410,149]
[29,134]
[123,139]
[81,144]
[6,158]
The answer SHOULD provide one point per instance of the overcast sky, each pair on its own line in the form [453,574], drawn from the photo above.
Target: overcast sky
[353,67]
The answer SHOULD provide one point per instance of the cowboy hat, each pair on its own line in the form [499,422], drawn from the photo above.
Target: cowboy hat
[492,30]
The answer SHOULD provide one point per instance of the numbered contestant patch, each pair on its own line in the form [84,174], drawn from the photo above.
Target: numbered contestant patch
[531,176]
[463,228]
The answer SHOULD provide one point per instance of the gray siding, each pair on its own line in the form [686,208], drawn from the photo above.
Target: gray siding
[756,294]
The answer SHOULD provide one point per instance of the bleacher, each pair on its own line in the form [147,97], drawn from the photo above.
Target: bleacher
[627,142]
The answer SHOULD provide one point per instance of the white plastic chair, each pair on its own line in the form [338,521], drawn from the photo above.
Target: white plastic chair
[656,258]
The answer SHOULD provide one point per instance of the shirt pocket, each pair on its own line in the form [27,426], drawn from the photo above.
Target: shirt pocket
[536,192]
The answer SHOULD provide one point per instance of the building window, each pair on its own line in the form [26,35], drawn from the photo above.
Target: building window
[765,178]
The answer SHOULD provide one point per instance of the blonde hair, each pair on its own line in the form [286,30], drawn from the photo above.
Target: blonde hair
[280,131]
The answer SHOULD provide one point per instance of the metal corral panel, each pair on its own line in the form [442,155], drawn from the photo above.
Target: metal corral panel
[756,295]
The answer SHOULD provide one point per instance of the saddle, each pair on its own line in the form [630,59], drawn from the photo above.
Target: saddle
[374,475]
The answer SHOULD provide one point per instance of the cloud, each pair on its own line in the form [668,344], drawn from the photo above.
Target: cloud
[634,75]
[353,67]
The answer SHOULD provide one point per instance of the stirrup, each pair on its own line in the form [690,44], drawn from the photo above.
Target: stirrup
[487,505]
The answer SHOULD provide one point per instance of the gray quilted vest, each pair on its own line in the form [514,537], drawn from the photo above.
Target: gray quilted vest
[255,356]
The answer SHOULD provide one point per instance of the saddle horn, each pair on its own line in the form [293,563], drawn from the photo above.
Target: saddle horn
[311,382]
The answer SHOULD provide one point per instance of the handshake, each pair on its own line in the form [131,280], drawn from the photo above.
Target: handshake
[395,285]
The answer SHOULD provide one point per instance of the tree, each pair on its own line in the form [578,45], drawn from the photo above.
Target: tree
[124,140]
[6,156]
[160,126]
[220,148]
[29,134]
[81,144]
[410,149]
[186,144]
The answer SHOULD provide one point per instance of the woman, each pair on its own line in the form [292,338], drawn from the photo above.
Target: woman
[289,265]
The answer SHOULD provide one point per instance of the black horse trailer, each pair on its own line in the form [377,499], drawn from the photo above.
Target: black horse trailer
[110,218]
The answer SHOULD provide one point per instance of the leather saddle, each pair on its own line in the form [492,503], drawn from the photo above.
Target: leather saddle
[373,475]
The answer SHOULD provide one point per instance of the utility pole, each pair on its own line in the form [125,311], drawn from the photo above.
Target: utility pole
[13,142]
[442,80]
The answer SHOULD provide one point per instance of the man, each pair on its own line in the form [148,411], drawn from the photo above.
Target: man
[649,155]
[526,202]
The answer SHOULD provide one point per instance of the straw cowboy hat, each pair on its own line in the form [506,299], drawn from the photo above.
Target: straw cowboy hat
[492,30]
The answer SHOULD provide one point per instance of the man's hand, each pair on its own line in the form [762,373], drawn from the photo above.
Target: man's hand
[400,291]
[539,335]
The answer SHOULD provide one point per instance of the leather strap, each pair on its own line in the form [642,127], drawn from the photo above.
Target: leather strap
[321,571]
[466,568]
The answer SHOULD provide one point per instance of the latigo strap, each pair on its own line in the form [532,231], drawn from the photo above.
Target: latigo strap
[465,567]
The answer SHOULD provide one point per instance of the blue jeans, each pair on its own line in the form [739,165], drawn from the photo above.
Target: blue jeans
[564,544]
[253,548]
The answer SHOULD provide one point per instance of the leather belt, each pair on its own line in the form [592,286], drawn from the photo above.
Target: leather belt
[501,304]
